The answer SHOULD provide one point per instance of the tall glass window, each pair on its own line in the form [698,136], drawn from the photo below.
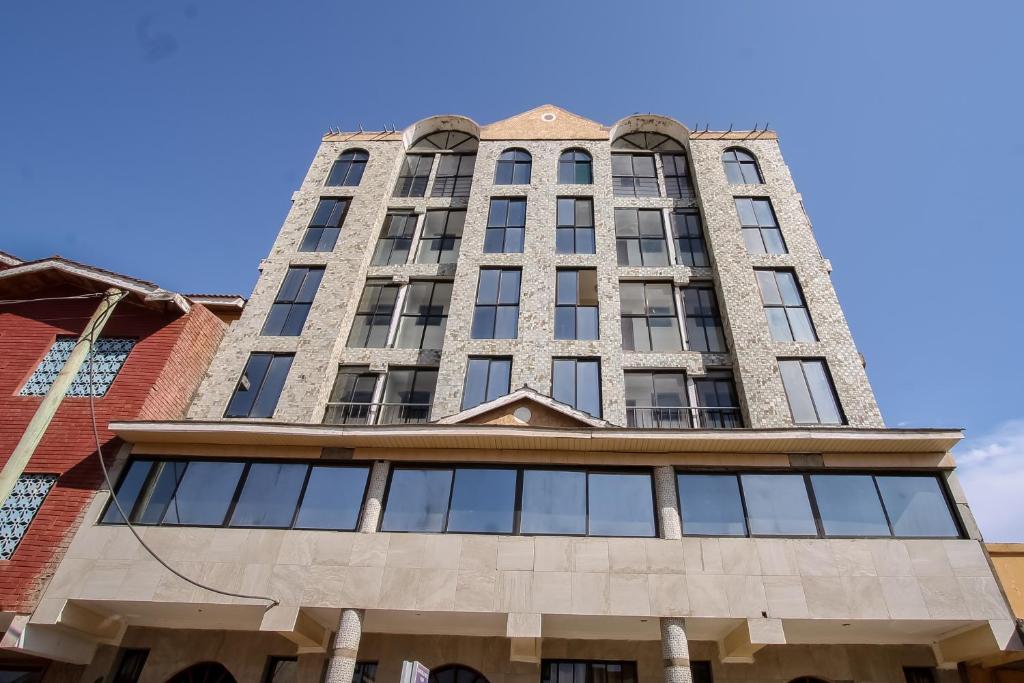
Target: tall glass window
[677,176]
[333,498]
[347,171]
[574,233]
[575,168]
[640,238]
[486,380]
[413,177]
[718,402]
[325,226]
[760,229]
[691,249]
[634,175]
[483,501]
[270,495]
[260,385]
[554,502]
[849,505]
[506,227]
[204,494]
[513,168]
[373,315]
[454,176]
[656,400]
[294,299]
[496,315]
[417,500]
[576,304]
[395,239]
[648,315]
[424,315]
[620,504]
[917,506]
[408,395]
[812,398]
[784,306]
[577,382]
[442,236]
[741,167]
[703,323]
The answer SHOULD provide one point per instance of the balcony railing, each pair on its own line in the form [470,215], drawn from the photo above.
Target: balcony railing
[376,413]
[452,186]
[682,417]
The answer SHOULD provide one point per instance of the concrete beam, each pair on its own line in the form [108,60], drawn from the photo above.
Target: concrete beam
[293,623]
[524,632]
[102,628]
[740,644]
[49,642]
[988,640]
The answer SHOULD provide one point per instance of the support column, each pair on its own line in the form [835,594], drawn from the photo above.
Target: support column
[345,649]
[374,497]
[668,510]
[675,649]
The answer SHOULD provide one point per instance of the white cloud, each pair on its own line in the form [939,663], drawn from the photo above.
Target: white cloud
[991,469]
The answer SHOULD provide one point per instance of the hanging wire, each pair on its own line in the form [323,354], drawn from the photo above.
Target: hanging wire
[12,302]
[91,333]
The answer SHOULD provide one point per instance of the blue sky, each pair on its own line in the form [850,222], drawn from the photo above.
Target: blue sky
[164,139]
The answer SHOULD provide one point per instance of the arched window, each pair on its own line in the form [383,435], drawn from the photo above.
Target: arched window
[348,169]
[454,175]
[456,673]
[204,672]
[513,168]
[646,142]
[741,167]
[575,167]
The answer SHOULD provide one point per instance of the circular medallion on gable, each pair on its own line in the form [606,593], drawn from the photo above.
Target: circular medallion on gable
[548,116]
[523,414]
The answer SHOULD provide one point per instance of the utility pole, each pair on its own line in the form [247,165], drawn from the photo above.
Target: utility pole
[48,407]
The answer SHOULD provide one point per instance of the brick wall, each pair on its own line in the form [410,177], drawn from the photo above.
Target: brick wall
[156,382]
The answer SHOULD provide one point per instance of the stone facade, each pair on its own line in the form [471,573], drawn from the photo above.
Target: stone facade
[752,354]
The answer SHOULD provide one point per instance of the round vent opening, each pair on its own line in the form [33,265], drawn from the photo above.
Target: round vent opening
[523,414]
[548,116]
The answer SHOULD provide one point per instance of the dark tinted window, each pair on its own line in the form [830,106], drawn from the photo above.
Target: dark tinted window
[496,315]
[281,670]
[784,306]
[365,672]
[576,315]
[574,233]
[348,169]
[204,494]
[575,168]
[689,237]
[260,386]
[513,168]
[269,495]
[413,177]
[717,401]
[741,167]
[587,672]
[129,667]
[424,315]
[703,323]
[128,491]
[324,228]
[442,237]
[333,498]
[812,399]
[395,239]
[677,176]
[640,238]
[294,299]
[454,175]
[657,400]
[648,317]
[760,229]
[506,226]
[620,504]
[373,315]
[634,175]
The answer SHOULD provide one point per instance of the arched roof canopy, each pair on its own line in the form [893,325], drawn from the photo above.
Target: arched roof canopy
[650,132]
[442,133]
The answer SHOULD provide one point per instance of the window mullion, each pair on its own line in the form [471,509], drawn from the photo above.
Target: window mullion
[678,298]
[376,398]
[396,316]
[417,234]
[666,229]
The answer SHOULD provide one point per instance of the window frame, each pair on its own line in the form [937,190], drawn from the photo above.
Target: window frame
[634,184]
[575,164]
[696,287]
[294,301]
[679,239]
[674,315]
[440,319]
[406,184]
[505,227]
[269,667]
[514,164]
[383,237]
[759,228]
[807,473]
[575,228]
[739,164]
[446,235]
[347,202]
[577,306]
[497,305]
[456,185]
[382,284]
[576,379]
[236,494]
[785,308]
[640,238]
[355,161]
[588,672]
[678,185]
[520,471]
[487,383]
[274,355]
[803,360]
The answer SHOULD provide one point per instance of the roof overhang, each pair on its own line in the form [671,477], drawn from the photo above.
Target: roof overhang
[27,278]
[498,437]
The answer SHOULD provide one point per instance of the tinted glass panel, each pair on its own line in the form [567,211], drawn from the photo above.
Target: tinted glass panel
[916,506]
[269,495]
[483,501]
[204,494]
[620,505]
[849,505]
[333,498]
[777,505]
[417,500]
[128,491]
[157,496]
[554,502]
[711,505]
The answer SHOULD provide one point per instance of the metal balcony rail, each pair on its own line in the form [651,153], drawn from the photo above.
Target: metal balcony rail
[451,186]
[683,417]
[635,186]
[348,413]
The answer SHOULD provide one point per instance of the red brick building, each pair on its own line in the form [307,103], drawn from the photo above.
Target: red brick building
[151,356]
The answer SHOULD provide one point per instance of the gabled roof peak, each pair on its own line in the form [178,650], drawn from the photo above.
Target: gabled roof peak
[546,122]
[525,394]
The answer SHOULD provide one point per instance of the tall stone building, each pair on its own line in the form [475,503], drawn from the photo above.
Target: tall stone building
[540,401]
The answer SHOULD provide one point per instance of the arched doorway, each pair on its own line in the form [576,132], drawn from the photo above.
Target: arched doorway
[204,672]
[456,673]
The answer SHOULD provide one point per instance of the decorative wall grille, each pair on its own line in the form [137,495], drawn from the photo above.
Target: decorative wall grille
[19,509]
[109,355]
